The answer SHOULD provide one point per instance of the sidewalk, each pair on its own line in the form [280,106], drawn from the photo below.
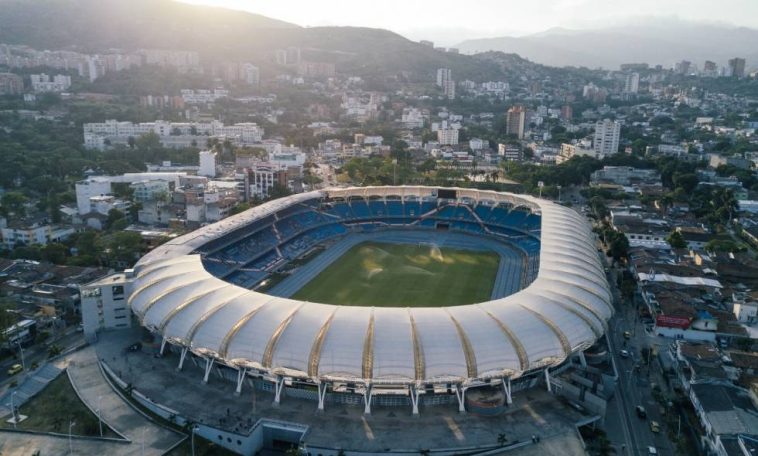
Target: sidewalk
[93,389]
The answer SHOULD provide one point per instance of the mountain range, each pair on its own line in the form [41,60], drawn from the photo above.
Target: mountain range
[654,40]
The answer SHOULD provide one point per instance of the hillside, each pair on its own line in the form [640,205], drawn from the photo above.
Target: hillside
[655,41]
[220,34]
[93,25]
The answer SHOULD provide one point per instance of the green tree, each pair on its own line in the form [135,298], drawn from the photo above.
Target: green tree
[121,247]
[14,203]
[55,253]
[116,220]
[676,240]
[618,245]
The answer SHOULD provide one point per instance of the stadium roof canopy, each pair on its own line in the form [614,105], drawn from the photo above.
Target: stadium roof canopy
[563,311]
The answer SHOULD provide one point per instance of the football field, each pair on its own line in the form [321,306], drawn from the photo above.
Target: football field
[404,275]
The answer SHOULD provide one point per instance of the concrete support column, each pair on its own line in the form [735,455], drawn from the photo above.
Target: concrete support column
[414,392]
[582,359]
[240,378]
[460,394]
[279,386]
[367,399]
[208,367]
[322,387]
[181,358]
[507,388]
[547,380]
[163,345]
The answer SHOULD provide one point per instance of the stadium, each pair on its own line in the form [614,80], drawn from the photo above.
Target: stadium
[381,295]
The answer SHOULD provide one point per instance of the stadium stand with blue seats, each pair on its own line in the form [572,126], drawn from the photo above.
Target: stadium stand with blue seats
[427,206]
[246,256]
[484,212]
[236,235]
[446,212]
[532,222]
[360,209]
[395,209]
[340,209]
[413,208]
[377,208]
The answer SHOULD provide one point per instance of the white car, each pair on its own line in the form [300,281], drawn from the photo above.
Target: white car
[651,450]
[624,354]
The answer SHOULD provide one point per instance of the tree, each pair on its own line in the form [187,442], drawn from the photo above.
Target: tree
[7,315]
[723,245]
[55,253]
[115,219]
[676,240]
[598,207]
[14,203]
[618,245]
[121,247]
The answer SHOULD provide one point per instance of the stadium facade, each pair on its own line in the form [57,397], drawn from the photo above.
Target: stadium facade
[195,293]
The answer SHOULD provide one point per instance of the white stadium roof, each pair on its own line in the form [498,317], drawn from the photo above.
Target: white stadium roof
[564,310]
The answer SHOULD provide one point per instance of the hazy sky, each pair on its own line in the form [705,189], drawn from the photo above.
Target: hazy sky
[448,21]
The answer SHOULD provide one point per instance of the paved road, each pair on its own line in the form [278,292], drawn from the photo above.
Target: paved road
[38,353]
[625,429]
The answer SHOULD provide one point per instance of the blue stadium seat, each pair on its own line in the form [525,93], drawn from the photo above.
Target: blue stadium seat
[483,211]
[377,208]
[360,209]
[413,209]
[395,208]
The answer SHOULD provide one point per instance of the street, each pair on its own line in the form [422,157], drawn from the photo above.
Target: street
[37,353]
[630,434]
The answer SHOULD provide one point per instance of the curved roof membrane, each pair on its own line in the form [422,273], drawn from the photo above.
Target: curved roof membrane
[564,310]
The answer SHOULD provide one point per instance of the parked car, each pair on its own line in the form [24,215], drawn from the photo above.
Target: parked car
[641,412]
[655,427]
[624,354]
[627,335]
[651,450]
[15,369]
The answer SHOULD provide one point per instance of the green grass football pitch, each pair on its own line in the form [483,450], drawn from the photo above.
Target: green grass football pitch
[404,275]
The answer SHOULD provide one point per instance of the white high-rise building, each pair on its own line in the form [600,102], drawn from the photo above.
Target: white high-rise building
[444,75]
[250,74]
[207,163]
[447,135]
[607,133]
[632,84]
[449,89]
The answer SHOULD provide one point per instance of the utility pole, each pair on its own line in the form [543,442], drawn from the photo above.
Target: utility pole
[70,444]
[99,419]
[13,409]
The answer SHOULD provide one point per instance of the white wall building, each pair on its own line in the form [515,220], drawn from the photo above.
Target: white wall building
[203,96]
[412,118]
[632,83]
[34,234]
[46,83]
[580,149]
[478,144]
[250,74]
[447,136]
[207,163]
[101,185]
[607,133]
[104,303]
[171,134]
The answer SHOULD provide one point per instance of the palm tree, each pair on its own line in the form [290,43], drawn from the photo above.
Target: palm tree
[501,439]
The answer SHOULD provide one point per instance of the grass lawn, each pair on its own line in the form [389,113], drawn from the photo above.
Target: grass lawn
[404,275]
[52,409]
